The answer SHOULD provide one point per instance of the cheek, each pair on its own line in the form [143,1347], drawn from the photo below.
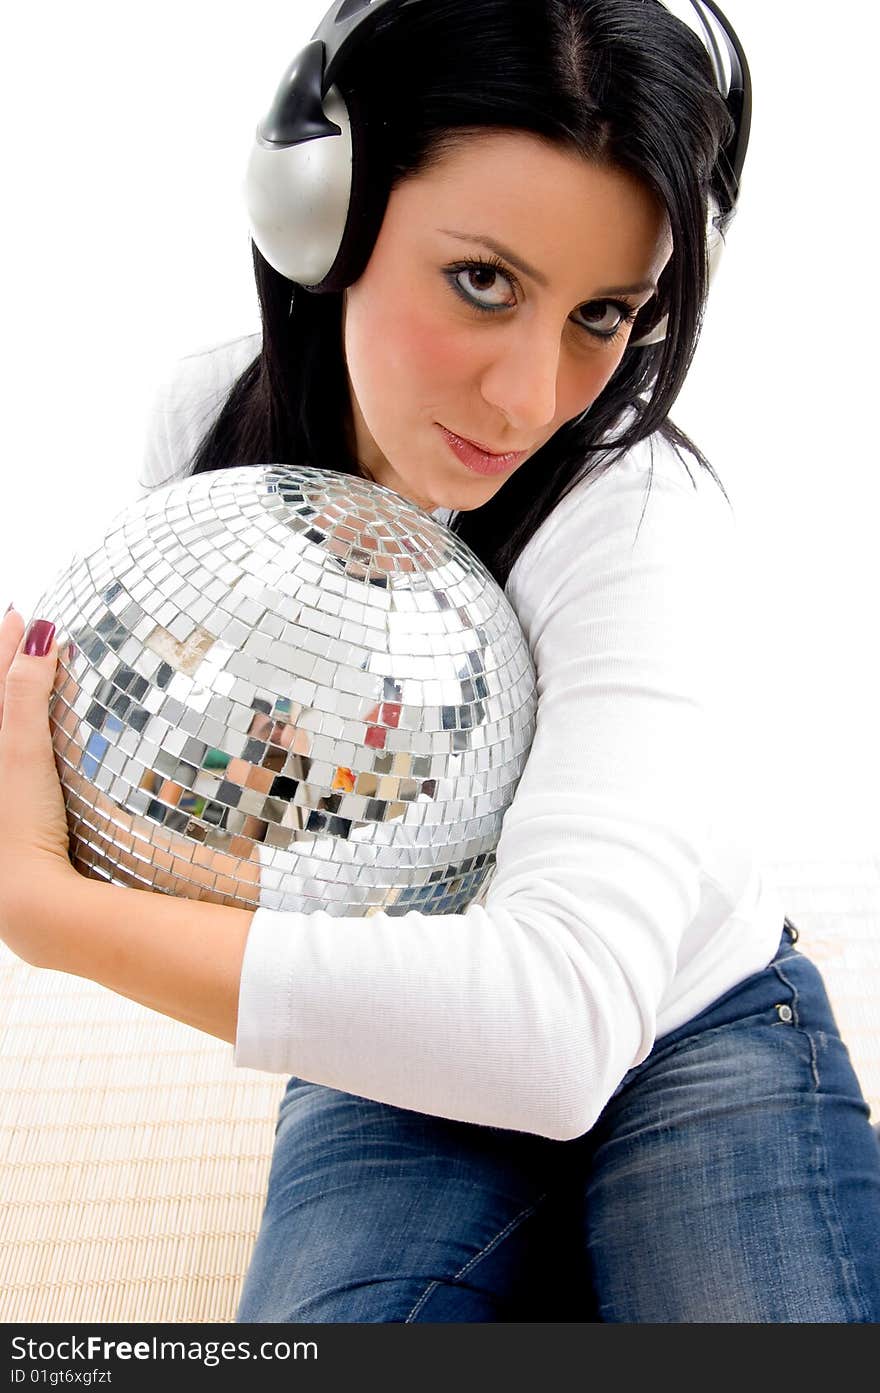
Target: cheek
[403,347]
[438,357]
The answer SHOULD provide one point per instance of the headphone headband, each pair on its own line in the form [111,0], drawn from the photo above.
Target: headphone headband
[344,29]
[731,71]
[306,189]
[347,25]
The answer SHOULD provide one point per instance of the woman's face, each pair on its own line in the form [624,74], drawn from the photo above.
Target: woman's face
[442,350]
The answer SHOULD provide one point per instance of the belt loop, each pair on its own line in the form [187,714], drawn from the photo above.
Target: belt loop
[792,931]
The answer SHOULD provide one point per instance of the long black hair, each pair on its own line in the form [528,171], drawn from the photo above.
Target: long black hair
[621,82]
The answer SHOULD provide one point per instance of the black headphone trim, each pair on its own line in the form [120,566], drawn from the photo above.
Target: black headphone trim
[366,209]
[345,29]
[297,115]
[738,98]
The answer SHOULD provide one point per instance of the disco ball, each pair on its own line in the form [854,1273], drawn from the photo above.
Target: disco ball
[288,687]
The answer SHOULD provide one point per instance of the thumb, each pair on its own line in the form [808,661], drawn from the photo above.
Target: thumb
[29,684]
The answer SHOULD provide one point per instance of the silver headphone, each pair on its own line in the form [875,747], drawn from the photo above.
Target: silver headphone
[306,190]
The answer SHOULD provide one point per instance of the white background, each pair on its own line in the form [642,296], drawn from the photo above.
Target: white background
[125,133]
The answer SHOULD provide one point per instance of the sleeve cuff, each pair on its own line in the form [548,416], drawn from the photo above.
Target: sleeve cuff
[264,997]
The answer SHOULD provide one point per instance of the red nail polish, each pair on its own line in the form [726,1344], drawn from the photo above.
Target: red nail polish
[38,639]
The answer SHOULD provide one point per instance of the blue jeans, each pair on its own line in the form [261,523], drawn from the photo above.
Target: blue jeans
[733,1176]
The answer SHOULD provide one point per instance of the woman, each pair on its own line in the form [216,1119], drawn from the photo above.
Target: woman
[615,1090]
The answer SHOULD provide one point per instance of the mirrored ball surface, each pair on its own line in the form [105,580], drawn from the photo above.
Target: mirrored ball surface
[291,687]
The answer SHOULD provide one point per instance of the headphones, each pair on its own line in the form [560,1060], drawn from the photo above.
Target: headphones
[308,200]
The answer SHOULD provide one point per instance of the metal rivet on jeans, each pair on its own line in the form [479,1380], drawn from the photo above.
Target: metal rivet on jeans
[784,1013]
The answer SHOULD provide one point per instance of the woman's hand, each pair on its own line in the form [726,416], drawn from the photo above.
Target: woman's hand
[35,868]
[146,855]
[34,856]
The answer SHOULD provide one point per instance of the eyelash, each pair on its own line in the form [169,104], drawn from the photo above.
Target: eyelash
[628,312]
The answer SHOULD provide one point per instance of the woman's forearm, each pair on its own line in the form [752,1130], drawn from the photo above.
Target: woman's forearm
[179,956]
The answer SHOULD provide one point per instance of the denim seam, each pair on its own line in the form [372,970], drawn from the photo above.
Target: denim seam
[691,1037]
[830,1211]
[793,956]
[796,1022]
[493,1243]
[674,1043]
[691,1041]
[795,1002]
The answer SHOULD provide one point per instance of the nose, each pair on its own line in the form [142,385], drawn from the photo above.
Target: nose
[522,379]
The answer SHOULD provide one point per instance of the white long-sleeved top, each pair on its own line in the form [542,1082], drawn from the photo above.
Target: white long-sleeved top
[626,897]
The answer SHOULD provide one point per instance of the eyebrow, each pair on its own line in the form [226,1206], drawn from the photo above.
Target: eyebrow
[523,266]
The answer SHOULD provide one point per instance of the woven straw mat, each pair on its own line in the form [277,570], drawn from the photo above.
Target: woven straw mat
[134,1157]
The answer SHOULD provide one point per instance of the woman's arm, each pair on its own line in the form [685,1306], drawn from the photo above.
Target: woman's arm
[524,1013]
[178,956]
[527,1011]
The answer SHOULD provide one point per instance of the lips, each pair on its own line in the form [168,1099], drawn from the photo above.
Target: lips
[485,449]
[478,458]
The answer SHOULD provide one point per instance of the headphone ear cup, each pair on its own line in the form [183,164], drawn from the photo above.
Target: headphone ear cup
[297,198]
[369,188]
[714,249]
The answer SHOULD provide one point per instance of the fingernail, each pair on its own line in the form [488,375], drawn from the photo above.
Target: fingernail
[8,608]
[38,639]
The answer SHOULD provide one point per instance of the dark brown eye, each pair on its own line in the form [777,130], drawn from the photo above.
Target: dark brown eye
[598,310]
[481,274]
[602,315]
[476,280]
